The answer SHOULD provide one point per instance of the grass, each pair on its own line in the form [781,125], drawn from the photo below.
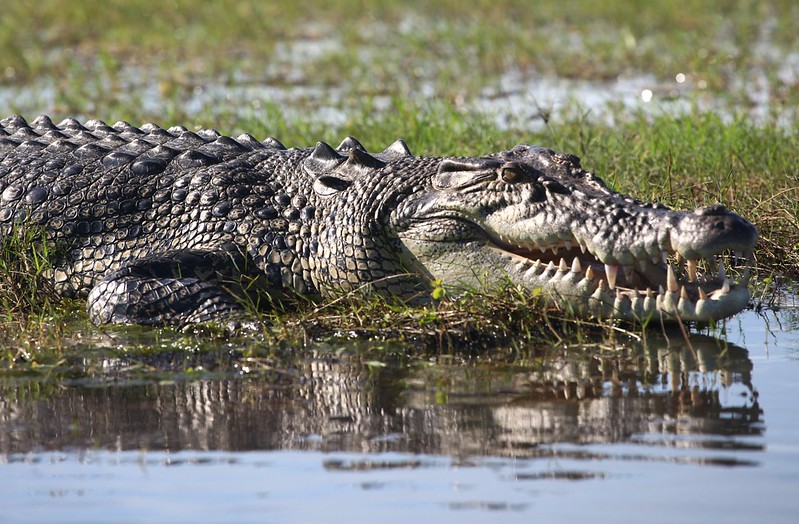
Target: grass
[416,71]
[26,282]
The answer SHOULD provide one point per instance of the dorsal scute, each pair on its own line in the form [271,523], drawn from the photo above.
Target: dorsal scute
[336,169]
[249,141]
[323,159]
[398,149]
[43,123]
[349,144]
[359,159]
[273,143]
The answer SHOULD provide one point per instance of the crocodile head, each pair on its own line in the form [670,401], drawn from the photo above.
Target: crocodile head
[534,218]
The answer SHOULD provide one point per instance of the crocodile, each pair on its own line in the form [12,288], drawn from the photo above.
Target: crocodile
[173,226]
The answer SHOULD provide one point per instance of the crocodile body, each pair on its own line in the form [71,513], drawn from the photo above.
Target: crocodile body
[172,226]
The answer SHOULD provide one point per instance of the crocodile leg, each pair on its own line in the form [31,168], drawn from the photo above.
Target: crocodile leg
[176,288]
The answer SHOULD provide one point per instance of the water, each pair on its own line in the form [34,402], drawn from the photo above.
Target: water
[663,431]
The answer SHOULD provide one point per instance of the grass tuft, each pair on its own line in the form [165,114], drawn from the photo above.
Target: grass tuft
[26,282]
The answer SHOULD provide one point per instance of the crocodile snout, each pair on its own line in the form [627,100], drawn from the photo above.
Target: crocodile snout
[710,230]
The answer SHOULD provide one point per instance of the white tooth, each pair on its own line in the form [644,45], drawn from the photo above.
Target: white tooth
[583,247]
[691,264]
[562,266]
[683,293]
[671,280]
[722,270]
[543,248]
[661,291]
[551,266]
[612,272]
[567,244]
[589,273]
[576,266]
[724,290]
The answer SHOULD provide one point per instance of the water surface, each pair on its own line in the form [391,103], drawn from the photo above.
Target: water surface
[665,429]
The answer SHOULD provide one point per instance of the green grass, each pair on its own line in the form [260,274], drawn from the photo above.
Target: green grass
[26,283]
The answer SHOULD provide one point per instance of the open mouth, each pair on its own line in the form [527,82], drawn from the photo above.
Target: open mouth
[687,288]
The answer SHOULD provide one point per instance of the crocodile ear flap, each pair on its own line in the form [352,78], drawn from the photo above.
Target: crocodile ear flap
[462,172]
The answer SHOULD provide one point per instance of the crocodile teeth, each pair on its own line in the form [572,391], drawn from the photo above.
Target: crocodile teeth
[629,271]
[691,265]
[589,273]
[723,290]
[702,294]
[563,266]
[576,266]
[611,271]
[671,280]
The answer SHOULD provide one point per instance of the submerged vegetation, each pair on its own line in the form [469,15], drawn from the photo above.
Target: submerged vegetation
[448,78]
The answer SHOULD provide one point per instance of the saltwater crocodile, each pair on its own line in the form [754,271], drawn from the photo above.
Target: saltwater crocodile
[168,225]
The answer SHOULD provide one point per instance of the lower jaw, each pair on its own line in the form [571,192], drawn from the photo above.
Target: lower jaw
[574,293]
[669,306]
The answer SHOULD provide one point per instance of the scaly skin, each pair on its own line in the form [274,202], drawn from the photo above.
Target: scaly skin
[168,226]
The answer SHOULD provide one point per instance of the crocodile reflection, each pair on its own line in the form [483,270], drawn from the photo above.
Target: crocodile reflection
[642,393]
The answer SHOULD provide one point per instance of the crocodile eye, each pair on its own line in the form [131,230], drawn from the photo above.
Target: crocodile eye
[511,173]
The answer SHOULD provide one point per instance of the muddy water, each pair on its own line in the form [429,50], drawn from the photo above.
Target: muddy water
[665,430]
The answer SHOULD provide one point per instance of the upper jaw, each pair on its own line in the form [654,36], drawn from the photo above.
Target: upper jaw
[709,284]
